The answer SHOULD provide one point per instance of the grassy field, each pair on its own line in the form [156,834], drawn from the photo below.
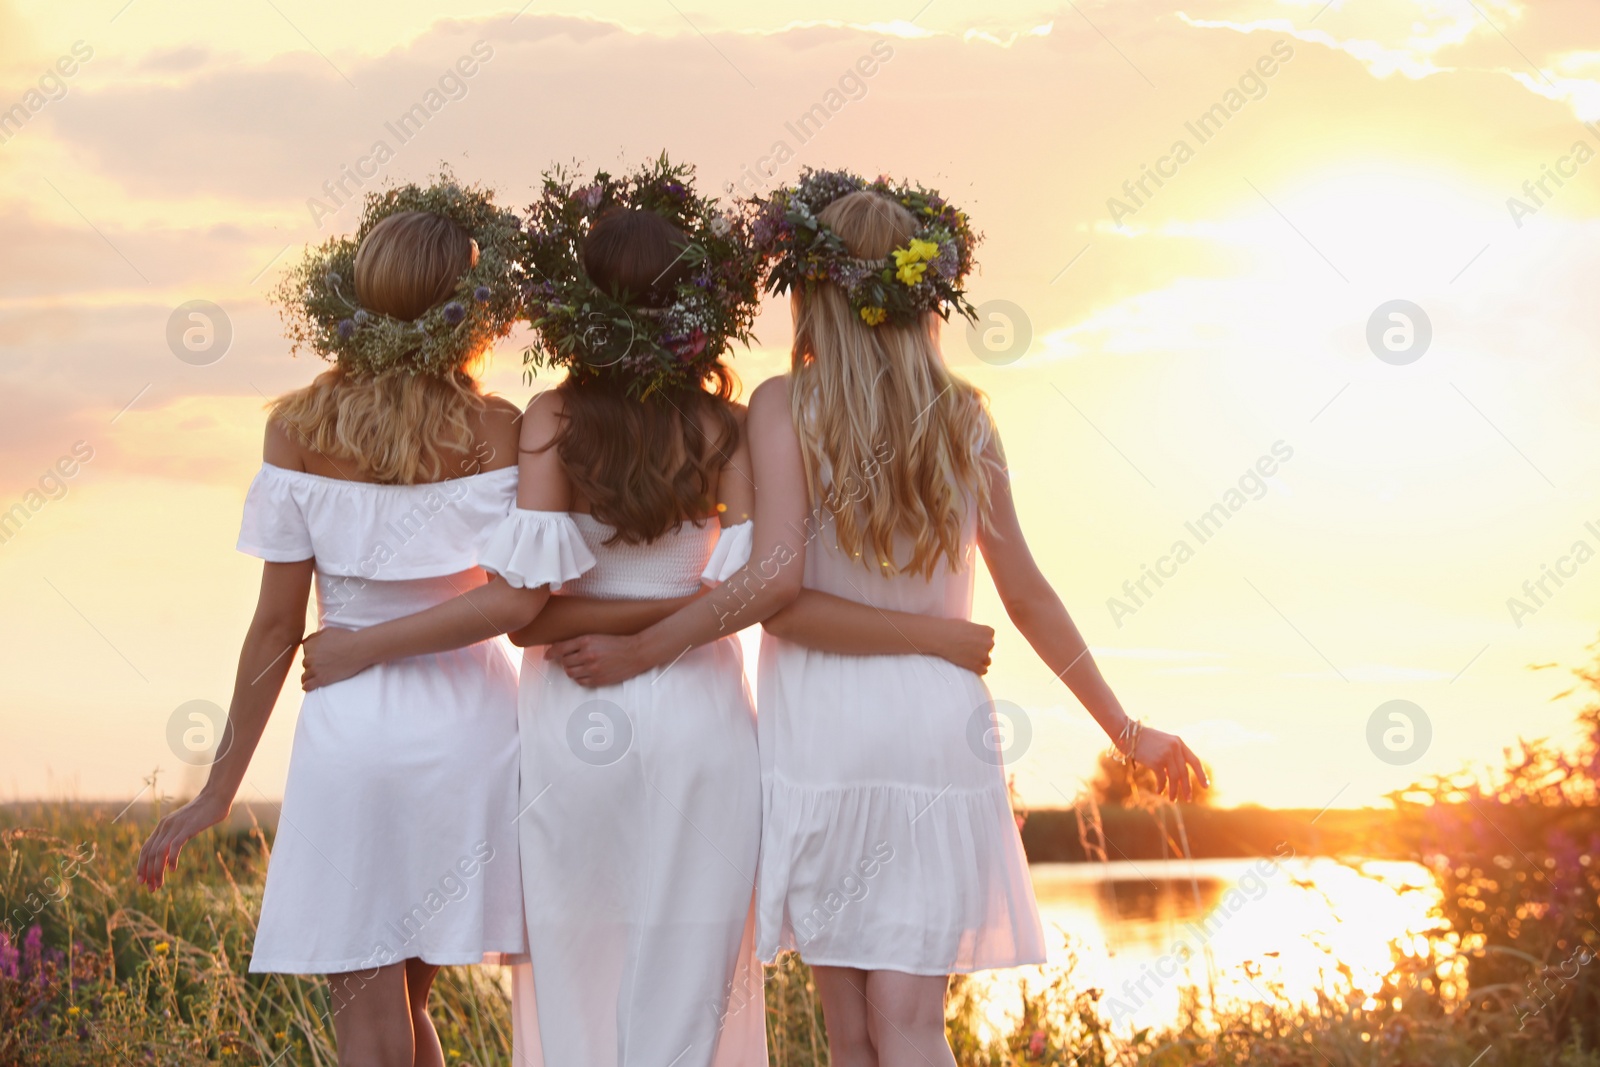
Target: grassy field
[95,970]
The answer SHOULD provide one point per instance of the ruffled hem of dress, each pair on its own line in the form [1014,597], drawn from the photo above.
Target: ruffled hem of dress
[863,964]
[959,899]
[732,552]
[461,958]
[533,548]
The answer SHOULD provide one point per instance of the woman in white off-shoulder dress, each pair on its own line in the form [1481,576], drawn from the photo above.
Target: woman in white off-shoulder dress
[396,848]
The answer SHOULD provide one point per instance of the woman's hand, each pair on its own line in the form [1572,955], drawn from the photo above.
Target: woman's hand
[966,644]
[1171,760]
[331,656]
[160,851]
[599,660]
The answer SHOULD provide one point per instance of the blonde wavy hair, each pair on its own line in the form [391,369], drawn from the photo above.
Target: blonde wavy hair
[400,428]
[877,405]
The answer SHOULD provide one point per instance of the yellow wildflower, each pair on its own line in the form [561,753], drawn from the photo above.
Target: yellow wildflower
[162,948]
[873,316]
[911,273]
[913,259]
[74,1010]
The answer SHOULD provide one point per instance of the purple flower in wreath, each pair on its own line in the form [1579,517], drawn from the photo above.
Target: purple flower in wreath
[589,196]
[687,346]
[674,190]
[347,329]
[454,313]
[482,294]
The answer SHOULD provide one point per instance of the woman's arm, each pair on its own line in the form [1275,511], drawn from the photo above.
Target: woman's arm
[767,464]
[1038,613]
[829,623]
[566,617]
[477,615]
[264,662]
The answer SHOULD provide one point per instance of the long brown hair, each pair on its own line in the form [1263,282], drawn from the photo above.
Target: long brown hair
[877,403]
[400,428]
[643,466]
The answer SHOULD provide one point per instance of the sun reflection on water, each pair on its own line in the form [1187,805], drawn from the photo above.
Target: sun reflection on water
[1238,931]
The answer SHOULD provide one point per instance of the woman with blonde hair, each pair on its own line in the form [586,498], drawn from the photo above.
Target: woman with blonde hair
[890,856]
[382,481]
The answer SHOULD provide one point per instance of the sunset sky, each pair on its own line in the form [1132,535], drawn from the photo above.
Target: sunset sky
[1354,154]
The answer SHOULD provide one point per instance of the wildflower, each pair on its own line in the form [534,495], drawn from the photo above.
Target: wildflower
[454,313]
[347,329]
[911,273]
[481,294]
[872,316]
[163,947]
[9,956]
[913,260]
[1036,1043]
[74,1010]
[32,949]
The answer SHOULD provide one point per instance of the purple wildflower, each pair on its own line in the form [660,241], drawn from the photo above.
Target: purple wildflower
[32,949]
[8,956]
[347,328]
[454,313]
[481,294]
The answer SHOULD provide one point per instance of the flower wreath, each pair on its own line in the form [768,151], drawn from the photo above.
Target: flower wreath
[923,276]
[317,298]
[588,332]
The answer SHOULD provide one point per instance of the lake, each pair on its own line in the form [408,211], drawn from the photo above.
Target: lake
[1142,931]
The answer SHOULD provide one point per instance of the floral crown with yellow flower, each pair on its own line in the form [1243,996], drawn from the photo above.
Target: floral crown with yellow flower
[924,275]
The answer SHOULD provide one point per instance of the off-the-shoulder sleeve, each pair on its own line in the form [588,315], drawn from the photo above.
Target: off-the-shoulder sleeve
[533,548]
[274,527]
[732,552]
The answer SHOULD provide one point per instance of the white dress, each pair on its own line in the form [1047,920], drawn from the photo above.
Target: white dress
[640,829]
[888,841]
[396,837]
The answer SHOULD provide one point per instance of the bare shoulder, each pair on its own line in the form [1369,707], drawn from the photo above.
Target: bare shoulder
[770,395]
[542,419]
[282,448]
[770,418]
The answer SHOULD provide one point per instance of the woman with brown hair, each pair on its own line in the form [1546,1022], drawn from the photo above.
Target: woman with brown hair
[382,480]
[640,815]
